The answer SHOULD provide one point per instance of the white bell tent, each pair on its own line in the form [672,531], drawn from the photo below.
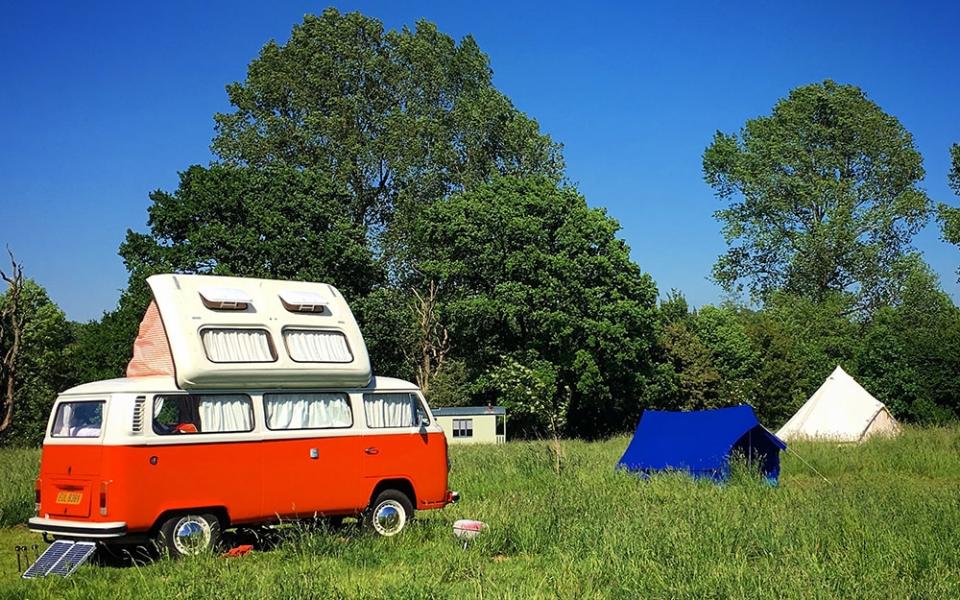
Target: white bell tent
[841,410]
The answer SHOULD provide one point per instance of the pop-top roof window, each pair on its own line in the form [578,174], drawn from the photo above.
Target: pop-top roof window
[299,301]
[317,345]
[218,298]
[224,345]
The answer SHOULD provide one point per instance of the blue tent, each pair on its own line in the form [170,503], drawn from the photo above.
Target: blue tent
[701,443]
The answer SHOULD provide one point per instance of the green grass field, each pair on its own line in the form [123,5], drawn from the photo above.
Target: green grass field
[886,526]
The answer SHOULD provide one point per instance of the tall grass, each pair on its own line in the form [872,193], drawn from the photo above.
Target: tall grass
[18,470]
[885,526]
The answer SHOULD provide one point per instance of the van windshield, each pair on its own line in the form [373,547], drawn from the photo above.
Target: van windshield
[78,419]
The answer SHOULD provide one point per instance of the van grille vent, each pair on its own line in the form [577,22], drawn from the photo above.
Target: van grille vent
[138,408]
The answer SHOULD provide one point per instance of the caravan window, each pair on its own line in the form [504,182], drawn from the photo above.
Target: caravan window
[237,345]
[78,419]
[208,413]
[307,411]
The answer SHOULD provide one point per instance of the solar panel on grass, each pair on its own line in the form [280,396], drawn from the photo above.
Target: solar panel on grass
[61,558]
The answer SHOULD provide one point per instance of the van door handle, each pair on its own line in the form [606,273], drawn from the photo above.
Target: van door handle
[371,450]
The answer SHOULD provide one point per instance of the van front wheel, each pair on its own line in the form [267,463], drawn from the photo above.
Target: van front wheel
[389,513]
[189,535]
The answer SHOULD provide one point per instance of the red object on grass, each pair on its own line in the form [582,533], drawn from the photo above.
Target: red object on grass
[238,551]
[468,529]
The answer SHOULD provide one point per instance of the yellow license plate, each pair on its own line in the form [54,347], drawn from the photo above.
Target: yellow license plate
[69,497]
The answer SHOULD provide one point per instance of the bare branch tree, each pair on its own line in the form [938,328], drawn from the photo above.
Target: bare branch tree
[12,321]
[433,339]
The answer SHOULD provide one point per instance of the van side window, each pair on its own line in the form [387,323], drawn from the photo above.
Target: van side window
[78,419]
[307,411]
[206,413]
[393,409]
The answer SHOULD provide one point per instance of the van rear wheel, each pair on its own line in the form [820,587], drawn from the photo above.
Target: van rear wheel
[389,513]
[189,534]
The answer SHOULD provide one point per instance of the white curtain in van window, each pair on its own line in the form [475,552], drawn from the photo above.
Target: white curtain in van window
[307,411]
[78,420]
[237,345]
[225,413]
[390,410]
[311,345]
[61,426]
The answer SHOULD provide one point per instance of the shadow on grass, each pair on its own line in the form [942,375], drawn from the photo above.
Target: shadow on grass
[263,539]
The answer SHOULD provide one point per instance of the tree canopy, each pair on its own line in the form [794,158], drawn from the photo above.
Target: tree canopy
[42,369]
[910,353]
[533,281]
[822,196]
[949,215]
[387,115]
[274,222]
[954,175]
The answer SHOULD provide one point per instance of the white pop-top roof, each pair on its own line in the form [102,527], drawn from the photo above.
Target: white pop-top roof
[235,332]
[840,410]
[163,384]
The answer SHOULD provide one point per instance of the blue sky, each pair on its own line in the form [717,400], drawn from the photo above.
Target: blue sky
[103,103]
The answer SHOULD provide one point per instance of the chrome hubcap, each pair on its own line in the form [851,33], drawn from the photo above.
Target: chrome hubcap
[389,518]
[191,535]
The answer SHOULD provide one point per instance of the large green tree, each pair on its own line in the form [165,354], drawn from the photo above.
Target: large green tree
[532,281]
[42,370]
[387,115]
[949,215]
[800,342]
[691,380]
[822,196]
[723,332]
[271,222]
[783,381]
[909,354]
[274,222]
[687,378]
[329,134]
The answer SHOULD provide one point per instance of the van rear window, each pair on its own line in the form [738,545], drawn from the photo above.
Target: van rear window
[78,419]
[207,413]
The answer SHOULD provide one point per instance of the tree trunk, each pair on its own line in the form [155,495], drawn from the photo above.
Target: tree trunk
[433,340]
[11,325]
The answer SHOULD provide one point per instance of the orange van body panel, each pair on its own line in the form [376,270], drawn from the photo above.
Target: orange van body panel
[254,481]
[417,457]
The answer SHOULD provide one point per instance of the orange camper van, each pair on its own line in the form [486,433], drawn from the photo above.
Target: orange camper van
[247,401]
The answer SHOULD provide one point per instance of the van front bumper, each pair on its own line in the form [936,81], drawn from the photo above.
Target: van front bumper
[78,529]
